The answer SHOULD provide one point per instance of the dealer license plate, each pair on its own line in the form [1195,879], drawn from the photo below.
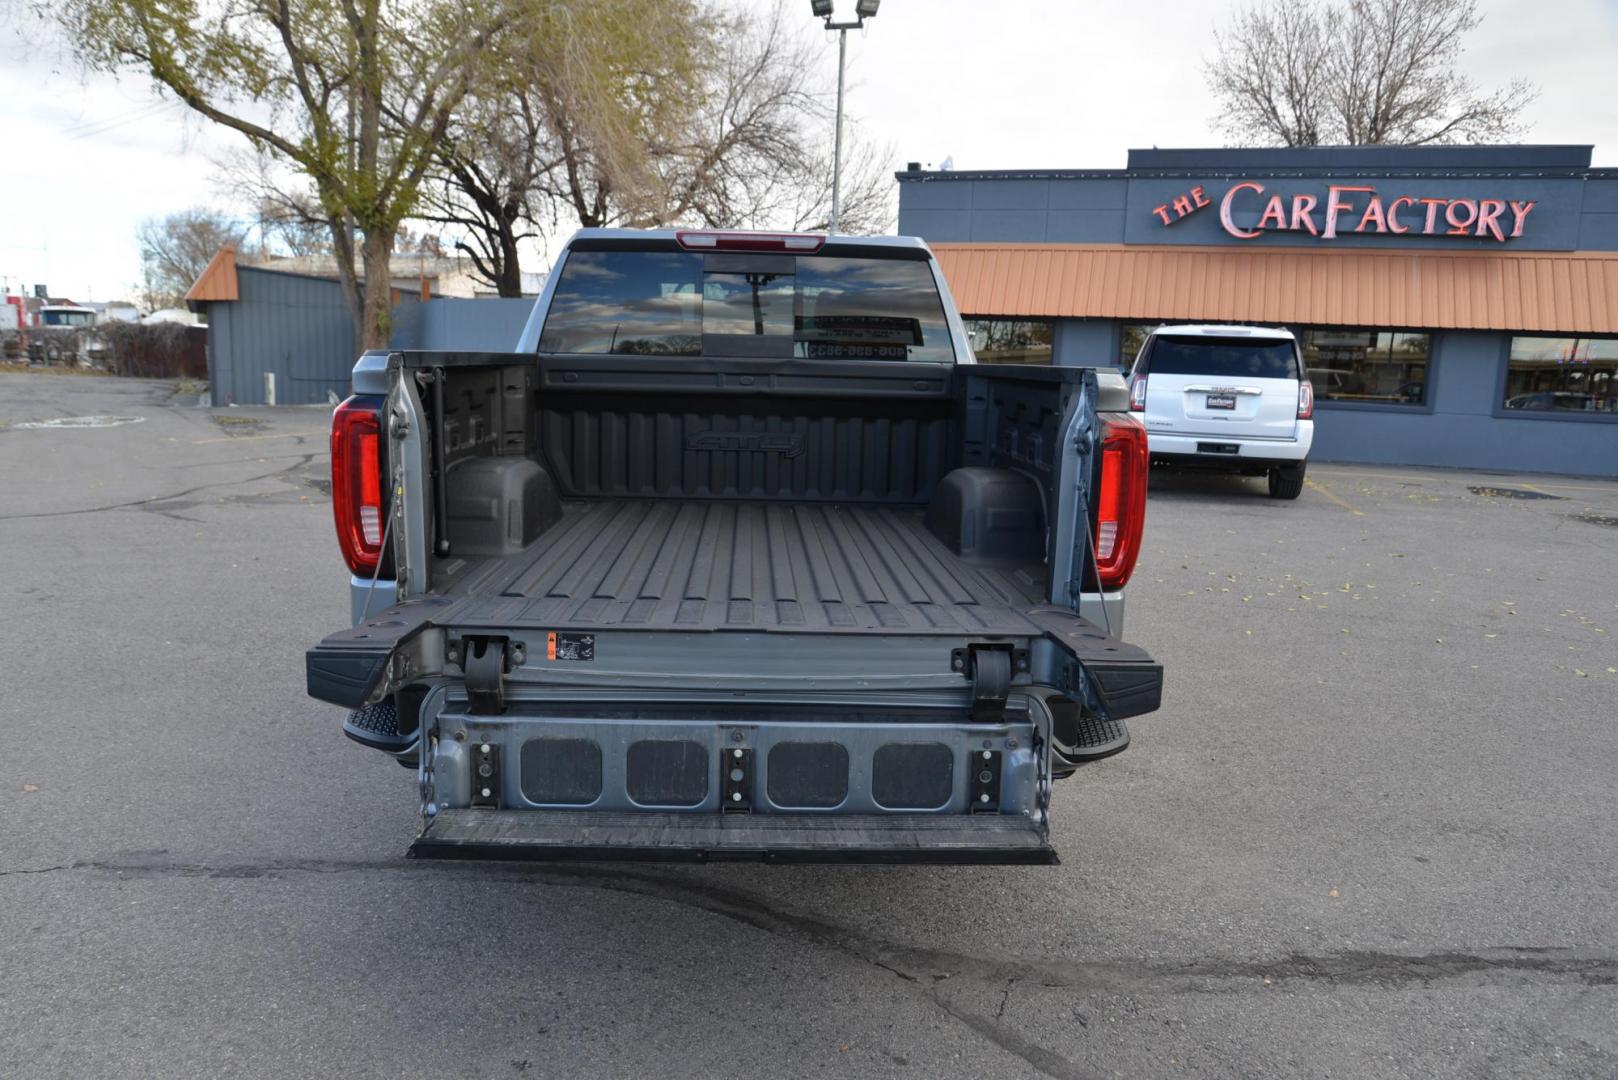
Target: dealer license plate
[1221,401]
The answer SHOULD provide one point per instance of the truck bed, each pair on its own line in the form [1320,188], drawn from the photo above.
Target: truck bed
[712,565]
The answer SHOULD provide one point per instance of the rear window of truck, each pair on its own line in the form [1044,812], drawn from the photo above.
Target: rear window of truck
[817,307]
[1223,358]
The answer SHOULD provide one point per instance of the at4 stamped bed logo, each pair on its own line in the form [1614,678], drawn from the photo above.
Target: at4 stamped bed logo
[764,442]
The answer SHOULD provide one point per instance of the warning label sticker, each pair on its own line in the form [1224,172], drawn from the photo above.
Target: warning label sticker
[570,646]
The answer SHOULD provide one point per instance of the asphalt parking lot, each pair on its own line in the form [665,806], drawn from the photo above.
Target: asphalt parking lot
[1371,832]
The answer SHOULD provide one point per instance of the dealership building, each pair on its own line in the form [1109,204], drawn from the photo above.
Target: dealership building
[1456,306]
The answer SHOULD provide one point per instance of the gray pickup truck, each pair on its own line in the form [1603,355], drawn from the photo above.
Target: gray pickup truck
[738,555]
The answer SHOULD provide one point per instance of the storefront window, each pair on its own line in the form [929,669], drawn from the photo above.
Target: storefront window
[1577,375]
[1378,366]
[1134,336]
[1010,341]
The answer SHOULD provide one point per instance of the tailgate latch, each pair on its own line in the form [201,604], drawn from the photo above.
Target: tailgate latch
[990,667]
[484,661]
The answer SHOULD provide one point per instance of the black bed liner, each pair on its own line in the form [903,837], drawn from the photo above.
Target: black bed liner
[705,565]
[712,566]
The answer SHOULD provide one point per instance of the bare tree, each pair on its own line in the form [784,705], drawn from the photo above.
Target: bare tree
[701,116]
[565,126]
[757,152]
[292,226]
[486,187]
[287,216]
[1269,75]
[1307,72]
[175,249]
[1395,79]
[757,100]
[865,202]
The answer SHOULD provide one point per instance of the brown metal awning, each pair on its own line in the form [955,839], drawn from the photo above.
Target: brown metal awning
[218,279]
[1565,292]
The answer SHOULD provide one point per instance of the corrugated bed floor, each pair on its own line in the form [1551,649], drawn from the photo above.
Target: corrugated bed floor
[806,567]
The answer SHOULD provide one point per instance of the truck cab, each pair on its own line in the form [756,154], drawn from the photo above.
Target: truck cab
[738,554]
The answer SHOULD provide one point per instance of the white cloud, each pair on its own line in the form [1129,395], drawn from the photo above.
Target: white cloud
[87,160]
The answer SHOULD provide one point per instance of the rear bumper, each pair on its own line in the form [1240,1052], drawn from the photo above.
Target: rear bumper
[1222,451]
[785,784]
[825,761]
[579,836]
[957,763]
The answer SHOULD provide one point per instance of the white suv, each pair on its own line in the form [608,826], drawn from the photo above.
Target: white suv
[1233,398]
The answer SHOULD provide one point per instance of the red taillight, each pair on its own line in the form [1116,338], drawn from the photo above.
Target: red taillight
[1137,394]
[1306,399]
[356,481]
[750,241]
[1120,518]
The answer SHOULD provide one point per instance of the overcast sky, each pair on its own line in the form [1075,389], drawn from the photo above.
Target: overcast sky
[989,83]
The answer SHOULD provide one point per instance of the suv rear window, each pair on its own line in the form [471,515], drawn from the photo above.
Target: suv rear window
[819,307]
[1222,357]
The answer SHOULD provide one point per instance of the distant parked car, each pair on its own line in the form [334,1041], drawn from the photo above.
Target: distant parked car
[1559,400]
[1232,398]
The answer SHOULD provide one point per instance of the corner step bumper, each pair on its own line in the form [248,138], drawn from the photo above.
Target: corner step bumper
[550,835]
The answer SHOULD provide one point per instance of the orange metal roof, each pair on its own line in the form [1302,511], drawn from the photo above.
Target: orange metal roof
[218,279]
[1569,292]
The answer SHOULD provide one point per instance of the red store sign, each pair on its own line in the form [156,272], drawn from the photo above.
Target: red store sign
[1355,208]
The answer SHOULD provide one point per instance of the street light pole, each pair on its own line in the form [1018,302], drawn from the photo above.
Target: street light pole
[837,146]
[863,9]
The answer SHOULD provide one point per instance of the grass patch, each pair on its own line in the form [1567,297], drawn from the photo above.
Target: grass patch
[239,425]
[20,368]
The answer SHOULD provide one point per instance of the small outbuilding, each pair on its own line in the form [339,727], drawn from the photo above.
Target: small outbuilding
[279,336]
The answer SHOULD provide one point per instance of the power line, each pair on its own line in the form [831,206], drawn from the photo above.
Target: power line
[112,125]
[78,125]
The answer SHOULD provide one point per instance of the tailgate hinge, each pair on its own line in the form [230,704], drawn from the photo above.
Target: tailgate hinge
[991,668]
[483,660]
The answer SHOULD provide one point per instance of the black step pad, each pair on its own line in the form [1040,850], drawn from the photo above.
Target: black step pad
[377,726]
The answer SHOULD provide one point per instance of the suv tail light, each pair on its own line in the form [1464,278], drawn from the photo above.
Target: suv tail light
[1120,503]
[1137,394]
[749,241]
[1306,399]
[356,481]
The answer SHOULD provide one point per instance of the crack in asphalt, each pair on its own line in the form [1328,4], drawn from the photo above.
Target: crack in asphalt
[155,503]
[1041,1058]
[911,963]
[934,974]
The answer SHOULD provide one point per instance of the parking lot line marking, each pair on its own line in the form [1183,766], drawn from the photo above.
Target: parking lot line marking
[1350,507]
[248,438]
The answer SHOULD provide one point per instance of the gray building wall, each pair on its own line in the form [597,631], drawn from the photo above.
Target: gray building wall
[1085,343]
[299,330]
[1467,427]
[1464,424]
[1576,205]
[296,327]
[484,325]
